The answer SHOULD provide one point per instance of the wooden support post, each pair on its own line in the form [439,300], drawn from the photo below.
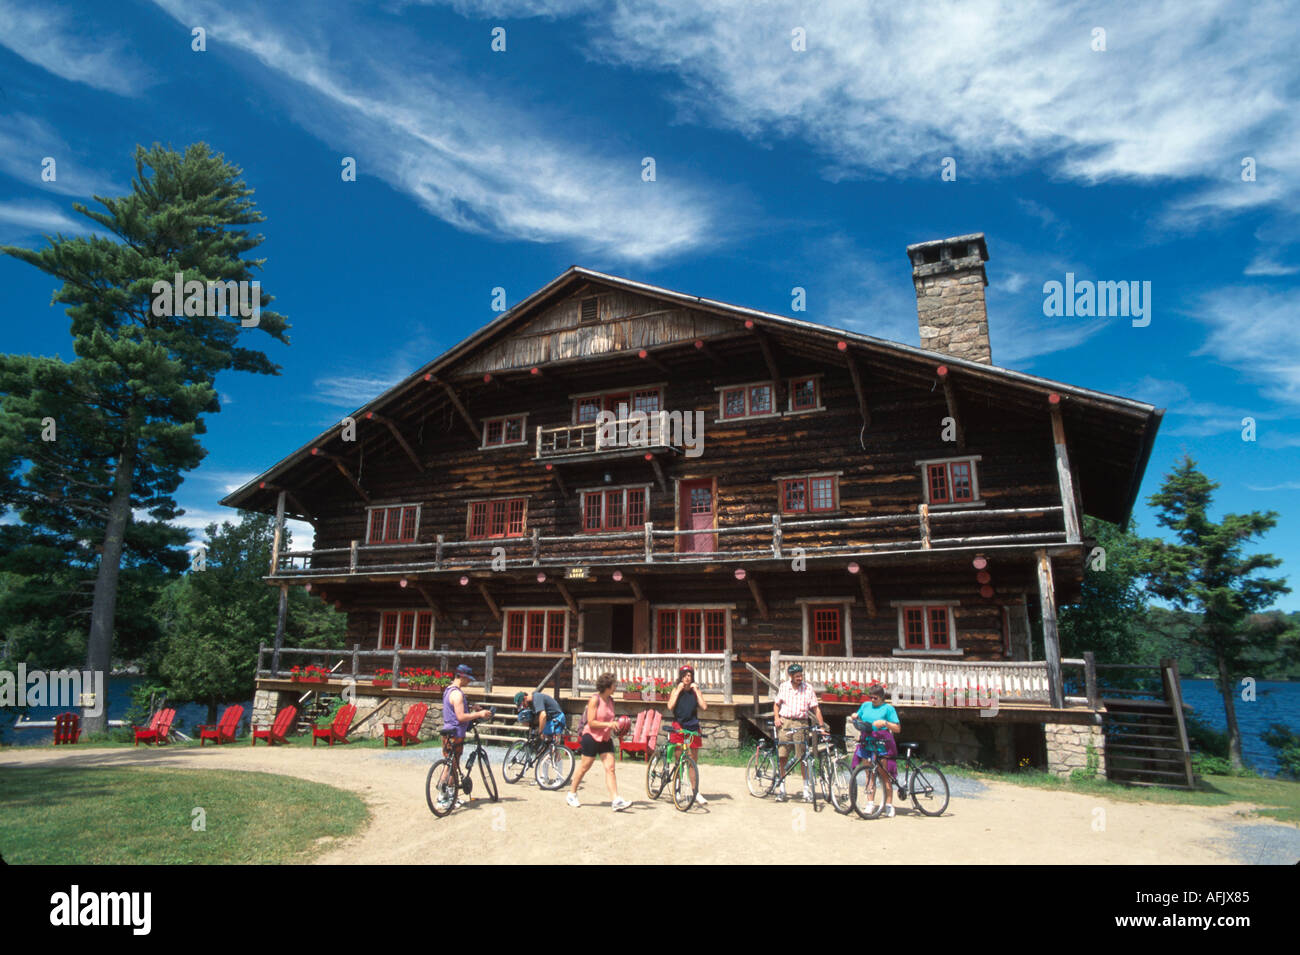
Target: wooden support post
[1090,679]
[868,597]
[487,667]
[356,661]
[757,592]
[776,535]
[492,604]
[559,482]
[397,665]
[460,408]
[649,542]
[659,473]
[774,668]
[437,553]
[342,468]
[1069,504]
[261,652]
[352,556]
[950,396]
[573,656]
[279,629]
[537,547]
[860,389]
[1051,643]
[278,537]
[444,658]
[568,597]
[727,663]
[924,511]
[635,584]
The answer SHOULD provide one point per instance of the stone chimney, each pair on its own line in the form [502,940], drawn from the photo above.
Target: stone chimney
[950,280]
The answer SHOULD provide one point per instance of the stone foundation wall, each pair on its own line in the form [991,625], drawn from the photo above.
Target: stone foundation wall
[1067,747]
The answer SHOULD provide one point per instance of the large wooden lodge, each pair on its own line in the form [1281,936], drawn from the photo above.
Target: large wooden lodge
[871,509]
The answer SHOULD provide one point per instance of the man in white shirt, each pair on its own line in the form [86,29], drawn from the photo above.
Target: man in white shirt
[795,700]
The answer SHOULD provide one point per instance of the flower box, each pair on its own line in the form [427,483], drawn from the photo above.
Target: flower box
[627,695]
[381,684]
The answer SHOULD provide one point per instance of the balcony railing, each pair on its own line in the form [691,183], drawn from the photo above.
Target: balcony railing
[926,682]
[650,430]
[922,530]
[712,670]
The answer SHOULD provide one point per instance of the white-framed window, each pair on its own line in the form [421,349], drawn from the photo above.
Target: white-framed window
[406,630]
[692,628]
[505,431]
[827,625]
[804,394]
[614,508]
[951,482]
[392,524]
[755,399]
[927,626]
[535,630]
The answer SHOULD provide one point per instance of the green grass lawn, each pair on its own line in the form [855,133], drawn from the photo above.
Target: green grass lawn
[146,816]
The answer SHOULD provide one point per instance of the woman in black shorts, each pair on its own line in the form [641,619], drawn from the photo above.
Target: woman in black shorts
[596,741]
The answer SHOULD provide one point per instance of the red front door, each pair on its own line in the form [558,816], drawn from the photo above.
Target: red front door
[696,510]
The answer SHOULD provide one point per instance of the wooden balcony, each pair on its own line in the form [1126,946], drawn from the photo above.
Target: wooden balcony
[589,441]
[919,532]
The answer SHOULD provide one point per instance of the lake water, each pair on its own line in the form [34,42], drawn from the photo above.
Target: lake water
[1275,702]
[119,701]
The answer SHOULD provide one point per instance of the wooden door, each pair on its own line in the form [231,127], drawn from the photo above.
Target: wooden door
[696,510]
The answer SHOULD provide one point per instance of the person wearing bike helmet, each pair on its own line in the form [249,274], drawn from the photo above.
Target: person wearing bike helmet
[879,720]
[455,717]
[685,704]
[795,700]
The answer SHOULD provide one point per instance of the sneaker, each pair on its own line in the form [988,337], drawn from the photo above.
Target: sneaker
[889,812]
[807,795]
[700,800]
[781,796]
[619,804]
[572,800]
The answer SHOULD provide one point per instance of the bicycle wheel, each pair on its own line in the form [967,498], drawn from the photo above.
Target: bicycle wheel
[929,789]
[867,791]
[441,787]
[485,772]
[687,783]
[840,785]
[656,774]
[516,762]
[760,774]
[555,768]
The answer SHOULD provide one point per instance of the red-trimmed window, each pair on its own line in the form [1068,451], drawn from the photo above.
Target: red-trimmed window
[535,631]
[715,631]
[667,633]
[827,628]
[810,494]
[746,401]
[951,482]
[804,394]
[927,628]
[616,509]
[586,409]
[733,403]
[760,399]
[498,432]
[393,525]
[690,631]
[488,519]
[407,629]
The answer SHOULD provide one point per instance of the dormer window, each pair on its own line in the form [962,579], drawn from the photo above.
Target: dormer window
[500,432]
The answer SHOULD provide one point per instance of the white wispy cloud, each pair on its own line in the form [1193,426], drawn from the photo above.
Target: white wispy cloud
[65,44]
[1254,330]
[26,141]
[1193,416]
[480,163]
[25,218]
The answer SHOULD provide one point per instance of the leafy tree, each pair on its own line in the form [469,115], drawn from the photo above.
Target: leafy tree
[1106,619]
[1206,570]
[126,412]
[1287,744]
[213,620]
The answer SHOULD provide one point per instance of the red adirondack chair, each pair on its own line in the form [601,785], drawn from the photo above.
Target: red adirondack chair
[225,729]
[409,729]
[278,731]
[67,728]
[158,730]
[645,734]
[574,741]
[336,732]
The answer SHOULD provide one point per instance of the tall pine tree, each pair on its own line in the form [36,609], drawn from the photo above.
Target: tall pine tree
[127,411]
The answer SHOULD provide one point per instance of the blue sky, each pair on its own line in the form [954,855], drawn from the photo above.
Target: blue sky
[775,168]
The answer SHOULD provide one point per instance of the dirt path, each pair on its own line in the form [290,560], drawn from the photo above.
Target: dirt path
[1001,824]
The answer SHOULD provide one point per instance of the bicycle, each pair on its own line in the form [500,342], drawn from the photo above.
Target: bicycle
[679,768]
[445,782]
[926,784]
[825,772]
[551,761]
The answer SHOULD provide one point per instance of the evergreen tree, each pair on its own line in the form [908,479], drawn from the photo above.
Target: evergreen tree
[126,412]
[1204,569]
[1107,617]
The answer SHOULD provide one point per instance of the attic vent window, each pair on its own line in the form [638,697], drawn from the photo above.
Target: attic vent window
[588,314]
[930,256]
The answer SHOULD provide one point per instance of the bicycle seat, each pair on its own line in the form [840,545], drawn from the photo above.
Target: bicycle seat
[908,748]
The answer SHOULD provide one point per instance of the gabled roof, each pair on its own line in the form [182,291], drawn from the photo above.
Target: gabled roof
[1140,421]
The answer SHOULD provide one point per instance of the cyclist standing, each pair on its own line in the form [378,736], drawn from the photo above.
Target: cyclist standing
[455,717]
[795,699]
[882,723]
[685,704]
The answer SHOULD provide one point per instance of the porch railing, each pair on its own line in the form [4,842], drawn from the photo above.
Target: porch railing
[652,430]
[778,538]
[919,681]
[357,664]
[712,670]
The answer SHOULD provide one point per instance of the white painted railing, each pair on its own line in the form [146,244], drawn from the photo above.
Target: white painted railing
[712,670]
[918,681]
